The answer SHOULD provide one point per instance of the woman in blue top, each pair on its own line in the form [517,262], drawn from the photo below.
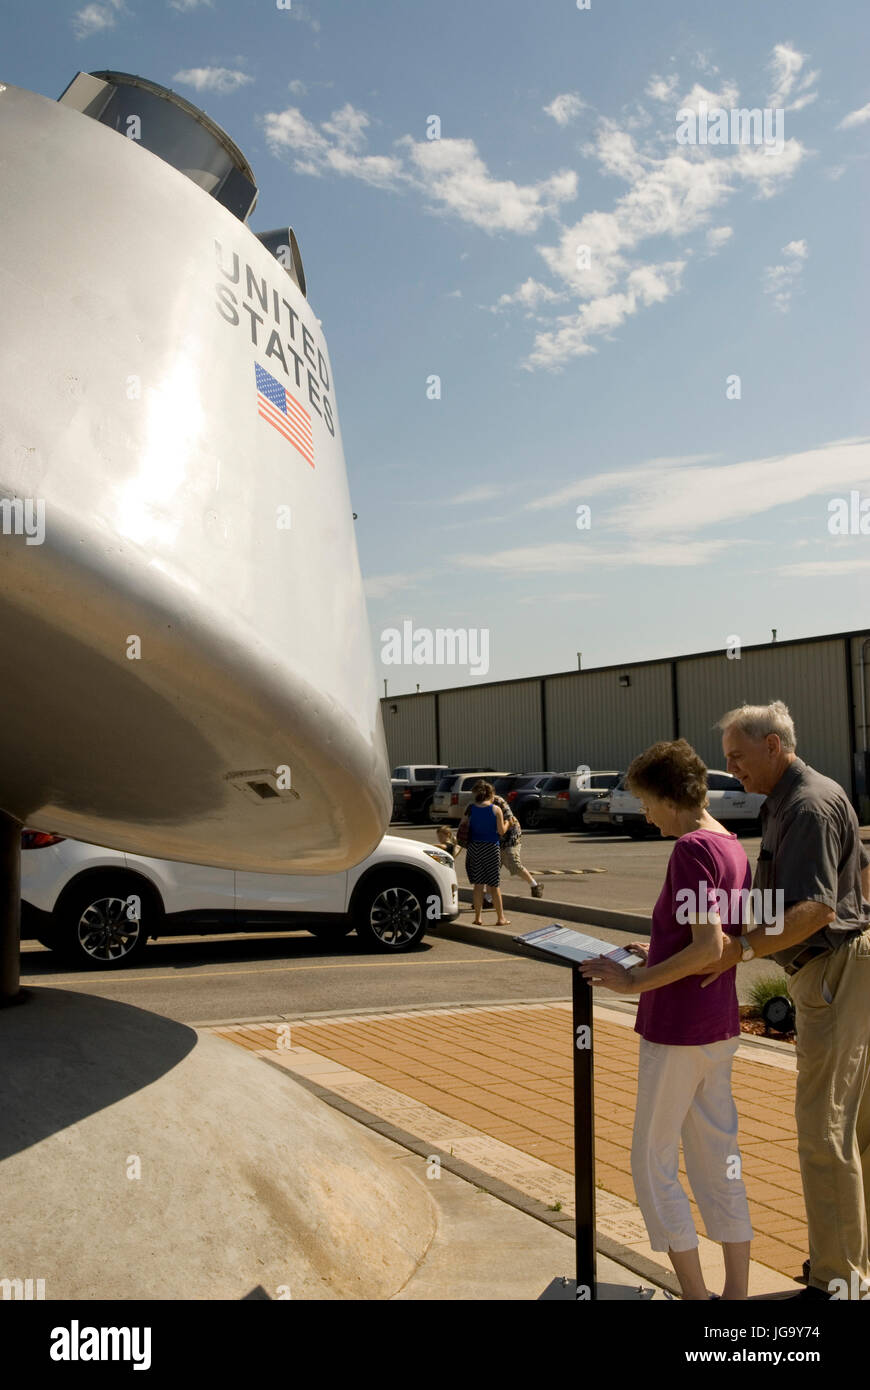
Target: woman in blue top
[484,826]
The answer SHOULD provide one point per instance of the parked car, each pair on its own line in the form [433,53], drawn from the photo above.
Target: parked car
[450,803]
[727,801]
[99,907]
[565,806]
[555,783]
[522,792]
[413,788]
[439,811]
[596,813]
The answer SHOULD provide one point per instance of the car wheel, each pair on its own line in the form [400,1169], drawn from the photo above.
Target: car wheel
[533,819]
[637,832]
[390,911]
[105,924]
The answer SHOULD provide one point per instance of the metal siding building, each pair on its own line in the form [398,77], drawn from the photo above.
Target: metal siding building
[604,717]
[409,723]
[810,678]
[592,719]
[498,725]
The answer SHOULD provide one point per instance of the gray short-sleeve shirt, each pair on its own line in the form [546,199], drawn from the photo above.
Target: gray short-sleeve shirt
[811,851]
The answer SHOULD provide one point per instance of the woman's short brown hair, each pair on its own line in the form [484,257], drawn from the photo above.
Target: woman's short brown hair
[482,791]
[671,772]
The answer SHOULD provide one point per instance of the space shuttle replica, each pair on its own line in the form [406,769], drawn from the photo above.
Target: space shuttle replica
[186,664]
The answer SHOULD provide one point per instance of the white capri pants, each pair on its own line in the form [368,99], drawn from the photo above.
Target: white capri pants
[685,1092]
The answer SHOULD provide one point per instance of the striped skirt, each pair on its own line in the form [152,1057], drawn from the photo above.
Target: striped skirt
[482,862]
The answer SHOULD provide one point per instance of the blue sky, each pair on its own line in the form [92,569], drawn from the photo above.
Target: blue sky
[597,380]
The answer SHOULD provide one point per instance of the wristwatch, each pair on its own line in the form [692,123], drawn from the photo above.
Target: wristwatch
[748,952]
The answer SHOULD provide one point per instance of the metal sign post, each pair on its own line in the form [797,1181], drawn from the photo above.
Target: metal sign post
[562,946]
[584,1139]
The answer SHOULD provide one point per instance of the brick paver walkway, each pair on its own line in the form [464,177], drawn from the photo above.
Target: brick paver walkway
[507,1072]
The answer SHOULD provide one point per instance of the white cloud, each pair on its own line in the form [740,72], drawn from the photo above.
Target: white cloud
[703,64]
[727,97]
[297,87]
[221,80]
[449,173]
[623,478]
[823,569]
[790,83]
[558,598]
[303,14]
[663,89]
[383,585]
[683,500]
[483,493]
[855,118]
[91,19]
[767,167]
[565,108]
[566,557]
[185,5]
[315,154]
[530,295]
[717,237]
[781,281]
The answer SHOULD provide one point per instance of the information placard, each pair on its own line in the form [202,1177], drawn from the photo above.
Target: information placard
[574,947]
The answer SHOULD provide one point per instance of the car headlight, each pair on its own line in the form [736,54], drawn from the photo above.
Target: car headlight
[439,856]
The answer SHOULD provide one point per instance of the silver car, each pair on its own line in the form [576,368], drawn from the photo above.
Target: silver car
[452,796]
[564,800]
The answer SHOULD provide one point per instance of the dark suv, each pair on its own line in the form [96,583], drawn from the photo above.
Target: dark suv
[522,792]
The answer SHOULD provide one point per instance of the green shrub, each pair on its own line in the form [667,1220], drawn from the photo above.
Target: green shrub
[766,989]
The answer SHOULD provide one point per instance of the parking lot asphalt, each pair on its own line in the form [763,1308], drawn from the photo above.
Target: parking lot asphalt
[218,978]
[606,871]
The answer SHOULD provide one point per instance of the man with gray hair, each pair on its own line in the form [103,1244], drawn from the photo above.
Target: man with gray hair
[813,864]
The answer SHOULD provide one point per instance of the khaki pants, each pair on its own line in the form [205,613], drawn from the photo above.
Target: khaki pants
[832,1108]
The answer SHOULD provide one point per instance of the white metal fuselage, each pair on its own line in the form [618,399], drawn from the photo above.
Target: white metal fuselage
[192,620]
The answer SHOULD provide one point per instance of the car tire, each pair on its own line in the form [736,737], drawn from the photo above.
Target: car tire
[533,819]
[638,832]
[389,911]
[93,927]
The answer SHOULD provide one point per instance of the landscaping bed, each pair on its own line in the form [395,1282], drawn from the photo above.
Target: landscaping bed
[751,1021]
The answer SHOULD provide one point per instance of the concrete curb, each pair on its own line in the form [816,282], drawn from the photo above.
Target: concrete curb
[500,939]
[575,912]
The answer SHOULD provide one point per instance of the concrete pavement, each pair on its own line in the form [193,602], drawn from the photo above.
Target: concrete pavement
[489,1090]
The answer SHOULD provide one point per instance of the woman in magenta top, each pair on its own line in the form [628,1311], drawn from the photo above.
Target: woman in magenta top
[689,1026]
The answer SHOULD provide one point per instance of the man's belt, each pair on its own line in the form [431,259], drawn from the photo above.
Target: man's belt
[810,952]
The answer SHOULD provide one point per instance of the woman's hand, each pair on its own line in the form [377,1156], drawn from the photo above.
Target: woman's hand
[609,975]
[639,948]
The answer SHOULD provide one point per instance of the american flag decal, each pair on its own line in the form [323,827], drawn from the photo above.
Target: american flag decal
[279,409]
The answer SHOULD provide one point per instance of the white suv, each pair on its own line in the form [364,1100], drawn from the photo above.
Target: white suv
[726,801]
[100,906]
